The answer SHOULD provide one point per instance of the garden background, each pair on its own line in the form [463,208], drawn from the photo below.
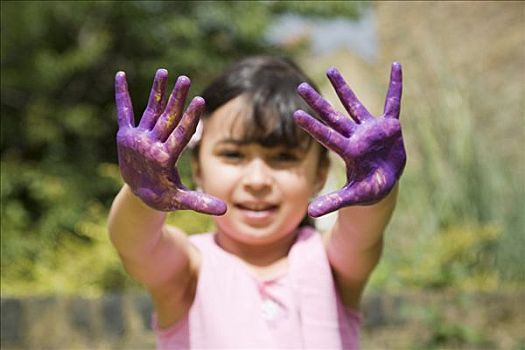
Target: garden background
[458,234]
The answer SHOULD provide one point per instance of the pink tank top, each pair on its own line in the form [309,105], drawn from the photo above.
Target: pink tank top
[235,310]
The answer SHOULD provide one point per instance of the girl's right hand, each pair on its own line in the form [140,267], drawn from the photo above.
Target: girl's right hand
[149,152]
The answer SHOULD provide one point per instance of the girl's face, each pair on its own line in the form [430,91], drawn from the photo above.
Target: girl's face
[267,190]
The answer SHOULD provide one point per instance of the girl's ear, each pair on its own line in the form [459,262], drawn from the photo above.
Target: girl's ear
[196,171]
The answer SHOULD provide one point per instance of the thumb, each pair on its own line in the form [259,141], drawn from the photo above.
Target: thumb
[327,203]
[199,202]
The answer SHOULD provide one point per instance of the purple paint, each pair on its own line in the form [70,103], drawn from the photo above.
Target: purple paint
[372,147]
[148,153]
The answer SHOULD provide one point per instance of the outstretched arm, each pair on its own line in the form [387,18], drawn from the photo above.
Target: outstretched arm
[158,256]
[374,154]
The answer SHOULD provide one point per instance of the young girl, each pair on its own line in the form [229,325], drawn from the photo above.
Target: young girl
[264,278]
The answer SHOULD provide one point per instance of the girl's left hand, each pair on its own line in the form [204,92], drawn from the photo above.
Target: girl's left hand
[372,147]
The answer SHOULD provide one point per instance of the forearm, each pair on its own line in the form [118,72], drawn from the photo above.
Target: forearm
[355,242]
[151,251]
[134,228]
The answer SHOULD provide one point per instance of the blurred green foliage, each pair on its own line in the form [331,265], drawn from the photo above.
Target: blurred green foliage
[459,258]
[440,331]
[460,220]
[58,168]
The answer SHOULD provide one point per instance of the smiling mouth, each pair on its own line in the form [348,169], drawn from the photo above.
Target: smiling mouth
[261,208]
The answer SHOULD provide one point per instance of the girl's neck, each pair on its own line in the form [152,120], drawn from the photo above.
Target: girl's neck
[257,255]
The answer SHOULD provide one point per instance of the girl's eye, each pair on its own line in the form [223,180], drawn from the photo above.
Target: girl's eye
[286,157]
[229,154]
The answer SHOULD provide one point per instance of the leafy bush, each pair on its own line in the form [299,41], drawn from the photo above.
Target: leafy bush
[457,258]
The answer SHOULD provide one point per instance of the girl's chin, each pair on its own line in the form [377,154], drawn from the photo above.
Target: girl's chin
[254,235]
[250,235]
[260,228]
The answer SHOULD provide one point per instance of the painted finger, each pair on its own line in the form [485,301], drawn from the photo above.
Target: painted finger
[364,192]
[199,202]
[322,133]
[393,96]
[156,96]
[351,194]
[353,106]
[327,203]
[173,112]
[325,110]
[181,135]
[125,116]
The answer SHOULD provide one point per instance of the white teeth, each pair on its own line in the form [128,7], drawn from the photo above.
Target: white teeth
[256,207]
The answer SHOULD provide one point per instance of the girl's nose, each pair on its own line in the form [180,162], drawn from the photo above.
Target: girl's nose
[257,175]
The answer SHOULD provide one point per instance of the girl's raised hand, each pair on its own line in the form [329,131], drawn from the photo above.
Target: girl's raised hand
[148,153]
[372,147]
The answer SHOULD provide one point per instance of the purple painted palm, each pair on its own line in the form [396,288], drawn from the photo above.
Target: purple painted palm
[148,153]
[371,147]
